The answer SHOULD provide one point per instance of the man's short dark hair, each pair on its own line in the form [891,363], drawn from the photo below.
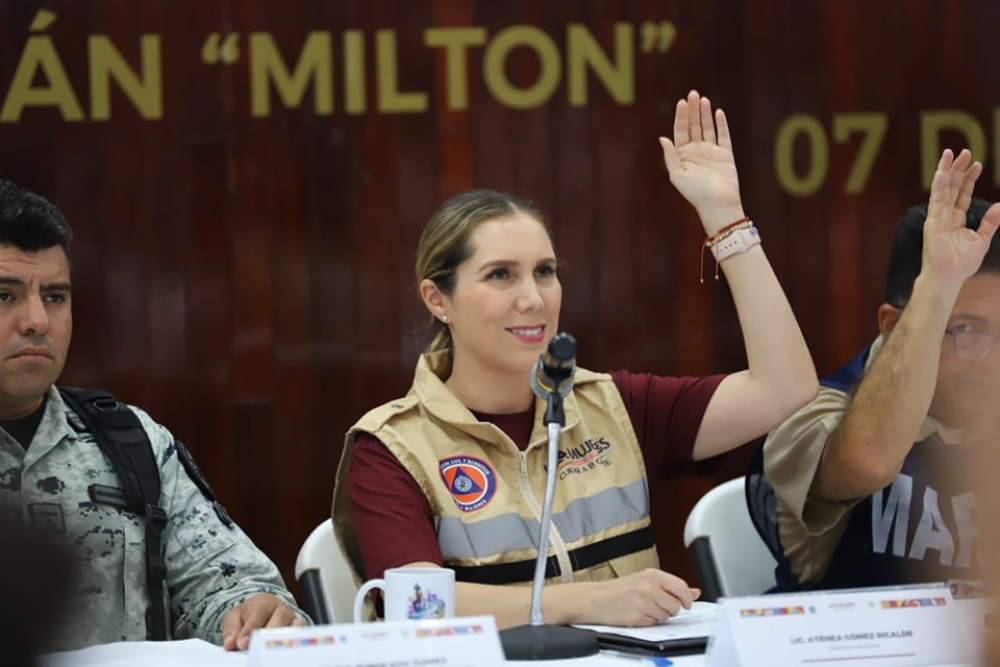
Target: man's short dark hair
[30,222]
[908,249]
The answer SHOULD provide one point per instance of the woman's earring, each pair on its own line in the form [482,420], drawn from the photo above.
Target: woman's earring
[444,318]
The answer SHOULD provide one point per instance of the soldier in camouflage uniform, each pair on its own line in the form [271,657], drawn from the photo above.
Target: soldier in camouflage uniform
[220,586]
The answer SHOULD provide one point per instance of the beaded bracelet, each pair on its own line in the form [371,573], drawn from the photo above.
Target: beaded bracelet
[734,238]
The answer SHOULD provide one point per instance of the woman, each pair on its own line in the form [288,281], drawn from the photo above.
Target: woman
[453,473]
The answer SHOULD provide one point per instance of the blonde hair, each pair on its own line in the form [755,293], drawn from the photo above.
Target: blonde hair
[444,243]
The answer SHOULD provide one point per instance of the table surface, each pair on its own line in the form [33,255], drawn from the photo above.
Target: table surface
[197,653]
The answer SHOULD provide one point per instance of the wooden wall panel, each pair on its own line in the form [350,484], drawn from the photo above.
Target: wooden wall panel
[247,278]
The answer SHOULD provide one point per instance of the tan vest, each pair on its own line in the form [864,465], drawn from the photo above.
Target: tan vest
[486,495]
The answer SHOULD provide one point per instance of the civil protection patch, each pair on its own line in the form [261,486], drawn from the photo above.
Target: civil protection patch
[471,482]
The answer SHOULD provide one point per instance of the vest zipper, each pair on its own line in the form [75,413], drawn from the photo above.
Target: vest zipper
[556,540]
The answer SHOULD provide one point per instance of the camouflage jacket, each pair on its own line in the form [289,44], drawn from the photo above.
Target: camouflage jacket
[210,567]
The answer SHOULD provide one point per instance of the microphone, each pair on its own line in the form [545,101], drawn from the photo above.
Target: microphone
[552,380]
[553,374]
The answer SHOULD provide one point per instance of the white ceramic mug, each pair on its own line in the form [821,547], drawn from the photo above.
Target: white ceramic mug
[411,594]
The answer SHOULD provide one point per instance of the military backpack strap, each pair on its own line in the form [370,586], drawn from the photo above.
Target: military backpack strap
[123,440]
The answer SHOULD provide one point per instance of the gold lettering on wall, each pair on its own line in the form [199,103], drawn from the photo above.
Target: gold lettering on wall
[932,123]
[39,57]
[873,127]
[495,61]
[582,66]
[818,152]
[355,91]
[390,98]
[315,64]
[107,63]
[455,42]
[281,79]
[583,53]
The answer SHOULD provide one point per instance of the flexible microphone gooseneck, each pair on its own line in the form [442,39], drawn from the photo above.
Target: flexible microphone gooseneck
[551,379]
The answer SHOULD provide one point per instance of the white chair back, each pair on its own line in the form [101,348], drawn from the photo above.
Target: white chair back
[730,557]
[320,555]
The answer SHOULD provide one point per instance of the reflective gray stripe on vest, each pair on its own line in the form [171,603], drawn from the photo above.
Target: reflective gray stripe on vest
[509,532]
[607,509]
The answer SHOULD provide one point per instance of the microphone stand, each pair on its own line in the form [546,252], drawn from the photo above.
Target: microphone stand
[538,641]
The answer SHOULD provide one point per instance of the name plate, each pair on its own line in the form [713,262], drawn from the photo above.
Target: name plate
[454,642]
[880,626]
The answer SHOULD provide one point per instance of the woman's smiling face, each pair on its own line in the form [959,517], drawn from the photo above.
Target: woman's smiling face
[507,296]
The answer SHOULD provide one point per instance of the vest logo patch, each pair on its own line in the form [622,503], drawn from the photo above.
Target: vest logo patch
[586,456]
[471,482]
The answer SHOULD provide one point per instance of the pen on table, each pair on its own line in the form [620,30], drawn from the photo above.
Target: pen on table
[659,661]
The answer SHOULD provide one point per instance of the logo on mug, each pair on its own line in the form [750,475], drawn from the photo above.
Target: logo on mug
[425,605]
[471,482]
